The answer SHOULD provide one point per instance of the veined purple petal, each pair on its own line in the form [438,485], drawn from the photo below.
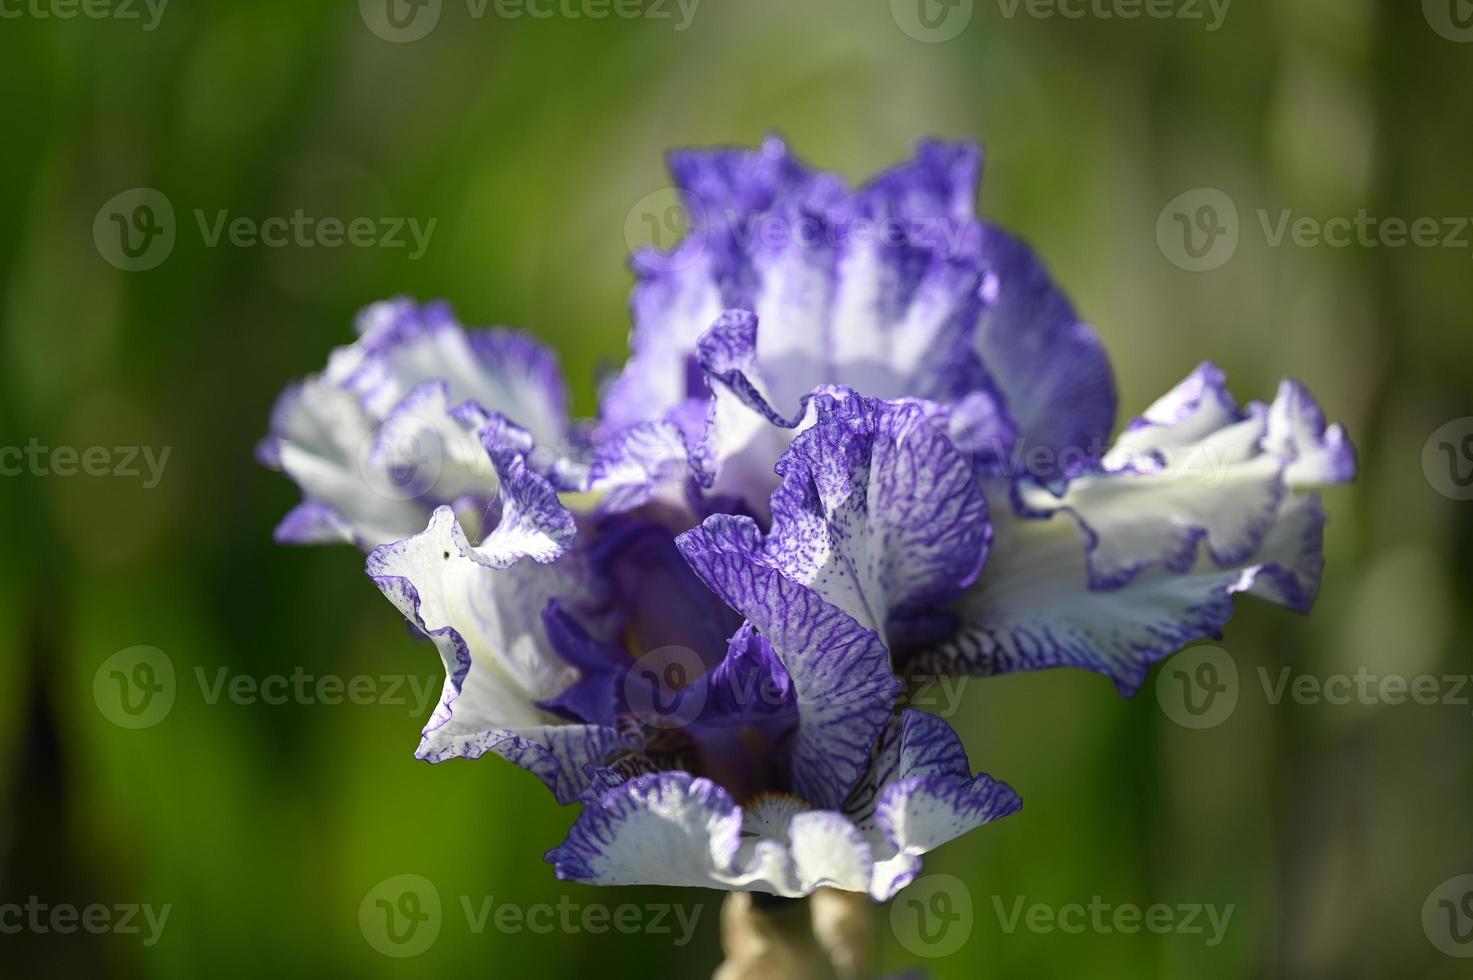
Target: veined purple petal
[840,670]
[1052,370]
[918,794]
[878,512]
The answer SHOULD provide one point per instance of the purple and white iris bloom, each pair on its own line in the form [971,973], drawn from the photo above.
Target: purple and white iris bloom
[392,427]
[861,435]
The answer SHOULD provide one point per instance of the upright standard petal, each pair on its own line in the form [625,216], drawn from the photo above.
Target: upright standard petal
[1053,372]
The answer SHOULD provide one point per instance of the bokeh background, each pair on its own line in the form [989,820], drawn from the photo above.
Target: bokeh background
[533,142]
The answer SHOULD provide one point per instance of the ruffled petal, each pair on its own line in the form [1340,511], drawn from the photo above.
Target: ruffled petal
[320,434]
[919,794]
[878,512]
[1141,555]
[879,290]
[840,670]
[1033,607]
[1196,469]
[376,440]
[484,616]
[672,828]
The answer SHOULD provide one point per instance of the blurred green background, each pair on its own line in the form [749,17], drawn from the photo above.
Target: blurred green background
[533,142]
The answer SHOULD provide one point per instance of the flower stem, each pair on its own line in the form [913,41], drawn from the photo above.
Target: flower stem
[823,937]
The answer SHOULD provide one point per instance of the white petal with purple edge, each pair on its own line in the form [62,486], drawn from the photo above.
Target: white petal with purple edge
[484,616]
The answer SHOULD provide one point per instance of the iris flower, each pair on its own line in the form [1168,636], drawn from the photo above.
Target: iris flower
[861,437]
